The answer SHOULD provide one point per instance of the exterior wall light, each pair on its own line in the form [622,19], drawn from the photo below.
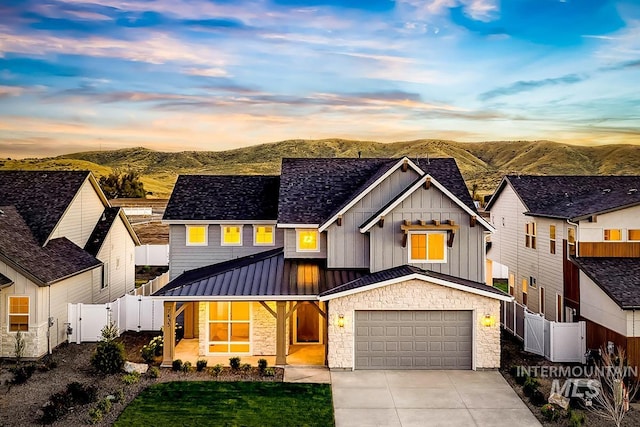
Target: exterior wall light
[341,321]
[488,320]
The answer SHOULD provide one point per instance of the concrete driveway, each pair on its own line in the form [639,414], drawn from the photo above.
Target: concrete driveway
[427,398]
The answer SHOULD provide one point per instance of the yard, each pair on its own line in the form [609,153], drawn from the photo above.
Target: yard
[231,404]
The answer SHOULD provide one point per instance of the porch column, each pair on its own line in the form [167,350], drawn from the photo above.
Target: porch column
[281,333]
[169,334]
[325,334]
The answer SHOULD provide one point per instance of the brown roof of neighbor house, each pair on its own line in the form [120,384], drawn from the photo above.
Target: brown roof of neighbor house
[59,259]
[41,197]
[617,277]
[572,197]
[263,275]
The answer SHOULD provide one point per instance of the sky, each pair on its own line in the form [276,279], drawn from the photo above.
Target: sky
[173,75]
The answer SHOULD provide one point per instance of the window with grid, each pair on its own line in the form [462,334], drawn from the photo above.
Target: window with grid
[612,234]
[552,239]
[571,241]
[18,314]
[229,327]
[308,240]
[634,235]
[530,235]
[263,235]
[196,235]
[428,247]
[232,235]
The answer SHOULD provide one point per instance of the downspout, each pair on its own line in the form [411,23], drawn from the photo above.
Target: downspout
[49,322]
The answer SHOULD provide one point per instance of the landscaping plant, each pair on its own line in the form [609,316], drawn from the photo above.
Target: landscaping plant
[186,367]
[131,378]
[109,356]
[153,349]
[234,362]
[200,365]
[176,365]
[216,370]
[550,412]
[262,365]
[154,372]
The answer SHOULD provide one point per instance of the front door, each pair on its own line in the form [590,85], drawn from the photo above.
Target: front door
[307,329]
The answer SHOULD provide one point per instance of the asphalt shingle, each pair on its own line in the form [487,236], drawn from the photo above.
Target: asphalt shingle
[617,277]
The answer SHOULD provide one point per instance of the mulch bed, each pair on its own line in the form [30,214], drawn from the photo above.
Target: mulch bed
[20,405]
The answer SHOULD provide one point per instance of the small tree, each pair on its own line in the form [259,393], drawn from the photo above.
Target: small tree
[109,356]
[20,347]
[617,387]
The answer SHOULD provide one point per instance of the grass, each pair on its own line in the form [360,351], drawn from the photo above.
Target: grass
[231,404]
[501,284]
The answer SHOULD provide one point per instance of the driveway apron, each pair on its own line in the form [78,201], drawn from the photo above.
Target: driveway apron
[427,398]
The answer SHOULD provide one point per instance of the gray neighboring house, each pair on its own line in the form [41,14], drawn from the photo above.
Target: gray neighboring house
[572,248]
[60,242]
[379,261]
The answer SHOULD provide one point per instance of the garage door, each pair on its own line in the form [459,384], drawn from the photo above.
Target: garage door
[413,339]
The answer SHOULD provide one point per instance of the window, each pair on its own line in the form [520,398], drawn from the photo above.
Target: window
[231,235]
[512,283]
[558,308]
[229,327]
[571,241]
[541,301]
[552,239]
[530,235]
[634,235]
[525,289]
[612,234]
[105,275]
[263,235]
[427,247]
[308,241]
[196,235]
[532,282]
[18,314]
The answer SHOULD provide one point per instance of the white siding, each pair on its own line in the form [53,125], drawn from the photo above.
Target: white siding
[81,217]
[624,219]
[596,306]
[633,323]
[118,253]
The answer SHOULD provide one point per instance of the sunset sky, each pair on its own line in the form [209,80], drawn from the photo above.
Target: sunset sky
[81,75]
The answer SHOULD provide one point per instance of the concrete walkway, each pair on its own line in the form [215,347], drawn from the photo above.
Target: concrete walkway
[306,374]
[427,398]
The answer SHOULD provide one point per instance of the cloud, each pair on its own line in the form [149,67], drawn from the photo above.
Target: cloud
[479,10]
[526,86]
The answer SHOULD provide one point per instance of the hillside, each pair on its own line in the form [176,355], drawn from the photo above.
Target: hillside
[482,164]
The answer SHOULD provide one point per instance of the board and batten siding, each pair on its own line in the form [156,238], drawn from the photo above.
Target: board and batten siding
[290,240]
[465,259]
[183,257]
[81,217]
[118,254]
[346,246]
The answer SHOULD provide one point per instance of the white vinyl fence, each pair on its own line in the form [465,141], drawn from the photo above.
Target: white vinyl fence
[130,313]
[152,255]
[556,341]
[152,286]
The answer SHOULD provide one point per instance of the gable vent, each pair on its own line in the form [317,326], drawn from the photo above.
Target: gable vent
[632,191]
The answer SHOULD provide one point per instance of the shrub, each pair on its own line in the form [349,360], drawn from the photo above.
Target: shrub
[119,396]
[154,372]
[176,365]
[269,372]
[521,379]
[530,385]
[19,347]
[550,412]
[104,405]
[81,394]
[95,416]
[234,362]
[21,373]
[262,365]
[131,378]
[200,365]
[109,356]
[48,363]
[538,398]
[56,408]
[186,367]
[153,349]
[216,370]
[246,368]
[576,419]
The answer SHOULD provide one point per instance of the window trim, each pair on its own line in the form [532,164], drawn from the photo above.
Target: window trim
[606,232]
[629,231]
[9,313]
[541,301]
[427,260]
[241,231]
[525,292]
[530,235]
[206,234]
[303,230]
[229,322]
[552,240]
[255,235]
[106,275]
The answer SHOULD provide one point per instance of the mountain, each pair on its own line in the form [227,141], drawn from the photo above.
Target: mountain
[482,164]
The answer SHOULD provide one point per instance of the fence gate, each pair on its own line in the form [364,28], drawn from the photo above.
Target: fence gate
[533,333]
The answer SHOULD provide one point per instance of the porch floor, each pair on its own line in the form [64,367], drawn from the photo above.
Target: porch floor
[299,355]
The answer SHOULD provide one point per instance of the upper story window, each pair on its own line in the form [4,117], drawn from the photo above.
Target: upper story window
[612,234]
[552,239]
[571,240]
[231,235]
[18,314]
[263,235]
[530,235]
[197,235]
[525,291]
[308,241]
[427,247]
[634,235]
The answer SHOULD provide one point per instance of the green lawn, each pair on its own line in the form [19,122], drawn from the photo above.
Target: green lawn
[211,403]
[501,284]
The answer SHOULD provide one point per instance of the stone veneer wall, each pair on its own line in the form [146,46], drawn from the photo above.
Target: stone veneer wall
[35,340]
[414,295]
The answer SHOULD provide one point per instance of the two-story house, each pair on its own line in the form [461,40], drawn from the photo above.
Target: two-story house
[379,263]
[572,248]
[60,242]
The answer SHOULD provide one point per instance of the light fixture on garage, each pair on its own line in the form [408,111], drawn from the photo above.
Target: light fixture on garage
[488,320]
[341,321]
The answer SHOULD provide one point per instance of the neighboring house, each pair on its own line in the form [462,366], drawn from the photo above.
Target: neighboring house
[60,242]
[572,247]
[381,262]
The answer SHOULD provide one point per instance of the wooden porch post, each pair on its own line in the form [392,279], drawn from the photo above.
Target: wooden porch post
[325,334]
[169,334]
[281,333]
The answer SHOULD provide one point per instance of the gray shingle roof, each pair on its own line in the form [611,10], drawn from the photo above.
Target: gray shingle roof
[617,277]
[101,230]
[61,258]
[313,190]
[4,280]
[223,197]
[262,275]
[41,197]
[571,197]
[407,270]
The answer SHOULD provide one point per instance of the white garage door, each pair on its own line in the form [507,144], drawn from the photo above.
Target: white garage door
[413,339]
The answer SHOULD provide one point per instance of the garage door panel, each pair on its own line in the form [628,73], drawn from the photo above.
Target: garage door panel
[413,339]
